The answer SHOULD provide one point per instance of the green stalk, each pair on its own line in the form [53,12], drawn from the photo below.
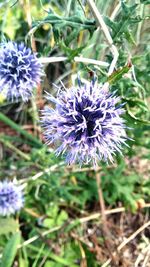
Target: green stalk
[12,147]
[19,129]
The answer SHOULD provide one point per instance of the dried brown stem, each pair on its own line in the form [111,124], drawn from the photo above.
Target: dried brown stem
[102,24]
[101,199]
[81,220]
[106,233]
[127,240]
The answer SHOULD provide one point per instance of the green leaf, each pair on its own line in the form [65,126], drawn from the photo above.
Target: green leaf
[127,10]
[52,264]
[146,122]
[121,27]
[10,250]
[145,2]
[64,261]
[20,130]
[49,223]
[55,217]
[130,37]
[23,262]
[52,210]
[72,225]
[62,217]
[117,75]
[8,225]
[76,23]
[59,259]
[112,24]
[134,102]
[71,53]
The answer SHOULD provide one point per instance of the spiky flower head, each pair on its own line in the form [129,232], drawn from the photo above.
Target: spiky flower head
[11,197]
[86,123]
[20,71]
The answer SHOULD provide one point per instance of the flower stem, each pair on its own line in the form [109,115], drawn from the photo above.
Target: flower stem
[19,129]
[12,147]
[105,229]
[100,195]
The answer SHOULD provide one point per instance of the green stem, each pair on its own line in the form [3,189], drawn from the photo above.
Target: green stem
[19,129]
[12,147]
[53,256]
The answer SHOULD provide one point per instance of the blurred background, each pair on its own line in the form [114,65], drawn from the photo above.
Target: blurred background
[60,223]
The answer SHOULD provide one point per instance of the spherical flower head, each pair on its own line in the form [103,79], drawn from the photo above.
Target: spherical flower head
[11,198]
[86,124]
[20,71]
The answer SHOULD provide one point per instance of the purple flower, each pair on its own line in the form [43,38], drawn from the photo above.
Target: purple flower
[86,124]
[20,71]
[11,198]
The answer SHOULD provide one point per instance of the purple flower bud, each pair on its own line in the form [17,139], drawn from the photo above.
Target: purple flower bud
[11,198]
[20,71]
[86,124]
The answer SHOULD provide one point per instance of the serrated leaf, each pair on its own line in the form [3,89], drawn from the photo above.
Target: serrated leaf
[78,21]
[120,28]
[8,225]
[112,24]
[128,9]
[130,37]
[10,250]
[117,75]
[71,53]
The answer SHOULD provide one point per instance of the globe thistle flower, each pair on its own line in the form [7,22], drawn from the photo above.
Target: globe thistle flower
[11,198]
[20,71]
[86,124]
